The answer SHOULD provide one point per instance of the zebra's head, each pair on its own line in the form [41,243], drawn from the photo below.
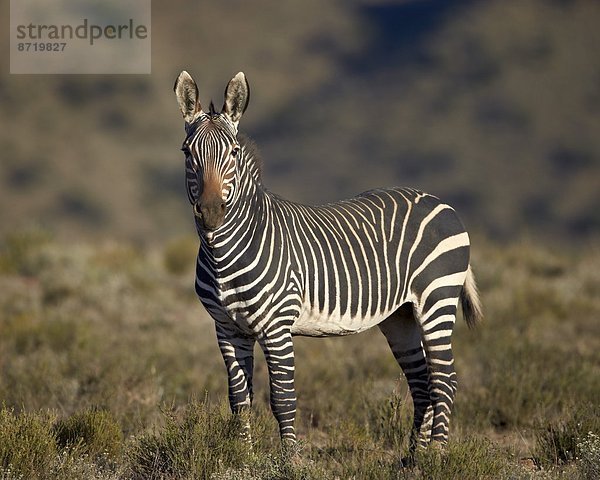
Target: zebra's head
[211,147]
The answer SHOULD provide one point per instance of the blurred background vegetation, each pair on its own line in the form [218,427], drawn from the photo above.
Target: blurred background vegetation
[493,106]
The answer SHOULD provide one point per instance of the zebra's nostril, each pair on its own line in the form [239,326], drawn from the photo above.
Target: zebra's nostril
[222,206]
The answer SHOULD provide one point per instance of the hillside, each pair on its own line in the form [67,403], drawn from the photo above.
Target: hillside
[493,106]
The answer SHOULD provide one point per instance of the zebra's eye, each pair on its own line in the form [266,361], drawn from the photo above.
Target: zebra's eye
[186,151]
[235,151]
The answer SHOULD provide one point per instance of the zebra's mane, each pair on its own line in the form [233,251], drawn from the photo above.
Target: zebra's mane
[211,109]
[252,154]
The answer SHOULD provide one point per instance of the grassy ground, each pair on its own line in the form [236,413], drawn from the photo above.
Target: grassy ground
[109,369]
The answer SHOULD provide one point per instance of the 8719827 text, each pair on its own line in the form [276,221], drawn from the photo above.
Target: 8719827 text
[41,46]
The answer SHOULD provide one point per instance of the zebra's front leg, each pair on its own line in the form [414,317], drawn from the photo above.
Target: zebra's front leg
[238,354]
[279,353]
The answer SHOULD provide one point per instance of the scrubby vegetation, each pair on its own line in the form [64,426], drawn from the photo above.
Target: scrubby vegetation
[105,351]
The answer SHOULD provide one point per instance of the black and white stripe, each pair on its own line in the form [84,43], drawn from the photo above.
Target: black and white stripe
[397,258]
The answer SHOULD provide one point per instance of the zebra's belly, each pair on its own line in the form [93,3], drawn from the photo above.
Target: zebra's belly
[312,323]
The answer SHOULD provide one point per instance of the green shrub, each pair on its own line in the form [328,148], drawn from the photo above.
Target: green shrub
[589,456]
[204,441]
[194,443]
[27,443]
[391,421]
[558,442]
[95,432]
[472,458]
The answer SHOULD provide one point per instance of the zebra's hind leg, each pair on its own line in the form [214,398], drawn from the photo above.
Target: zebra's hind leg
[436,316]
[404,337]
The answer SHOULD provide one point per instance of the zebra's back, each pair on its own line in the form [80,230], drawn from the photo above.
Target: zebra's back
[358,260]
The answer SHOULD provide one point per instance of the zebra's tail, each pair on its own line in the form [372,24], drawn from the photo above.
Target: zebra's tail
[469,299]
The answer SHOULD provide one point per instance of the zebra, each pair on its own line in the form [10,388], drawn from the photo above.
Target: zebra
[269,269]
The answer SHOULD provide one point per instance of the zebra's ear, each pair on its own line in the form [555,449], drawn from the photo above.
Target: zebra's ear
[187,96]
[237,96]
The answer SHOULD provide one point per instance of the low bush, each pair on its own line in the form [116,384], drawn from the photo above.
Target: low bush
[94,432]
[559,442]
[27,443]
[193,443]
[471,458]
[589,456]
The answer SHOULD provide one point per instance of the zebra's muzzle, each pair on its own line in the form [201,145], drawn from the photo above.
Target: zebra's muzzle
[210,215]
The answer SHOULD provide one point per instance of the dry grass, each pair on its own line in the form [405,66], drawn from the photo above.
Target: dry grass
[103,349]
